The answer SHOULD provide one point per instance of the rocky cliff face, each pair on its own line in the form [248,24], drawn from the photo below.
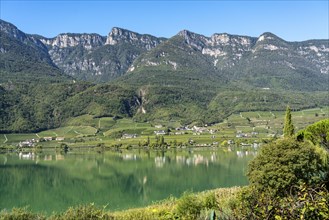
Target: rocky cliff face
[96,58]
[226,50]
[315,51]
[87,41]
[68,51]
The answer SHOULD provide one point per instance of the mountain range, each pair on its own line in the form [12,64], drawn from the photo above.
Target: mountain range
[188,77]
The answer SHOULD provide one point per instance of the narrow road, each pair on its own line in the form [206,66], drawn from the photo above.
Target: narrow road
[76,132]
[5,138]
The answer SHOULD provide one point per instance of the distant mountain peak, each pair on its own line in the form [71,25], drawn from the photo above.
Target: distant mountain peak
[184,33]
[268,36]
[4,24]
[119,34]
[120,31]
[12,30]
[189,34]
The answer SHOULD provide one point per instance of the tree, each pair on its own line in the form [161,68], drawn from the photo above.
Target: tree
[288,129]
[286,163]
[162,142]
[148,141]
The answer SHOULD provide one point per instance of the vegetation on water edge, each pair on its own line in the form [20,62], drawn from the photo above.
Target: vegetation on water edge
[189,206]
[225,203]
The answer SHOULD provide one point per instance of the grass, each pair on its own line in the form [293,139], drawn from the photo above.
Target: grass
[106,123]
[69,131]
[82,120]
[15,138]
[2,138]
[189,206]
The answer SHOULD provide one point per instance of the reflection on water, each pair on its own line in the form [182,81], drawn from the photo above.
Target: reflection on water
[36,157]
[50,181]
[129,157]
[245,153]
[26,156]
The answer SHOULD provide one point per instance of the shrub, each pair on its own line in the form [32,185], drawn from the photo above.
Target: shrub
[209,201]
[20,214]
[188,207]
[310,202]
[82,212]
[286,163]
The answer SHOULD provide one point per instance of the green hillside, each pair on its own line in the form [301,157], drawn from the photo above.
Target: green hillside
[35,107]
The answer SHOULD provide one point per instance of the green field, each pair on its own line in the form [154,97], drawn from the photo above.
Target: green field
[15,138]
[69,132]
[86,130]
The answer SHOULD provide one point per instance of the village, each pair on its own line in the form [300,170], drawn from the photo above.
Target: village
[191,134]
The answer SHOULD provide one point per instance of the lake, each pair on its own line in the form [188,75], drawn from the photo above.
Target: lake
[50,181]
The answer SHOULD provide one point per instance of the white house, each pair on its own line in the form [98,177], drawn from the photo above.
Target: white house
[161,132]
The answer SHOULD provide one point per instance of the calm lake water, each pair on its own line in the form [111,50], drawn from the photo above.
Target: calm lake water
[50,182]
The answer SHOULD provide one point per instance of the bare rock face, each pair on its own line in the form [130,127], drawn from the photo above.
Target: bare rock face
[97,58]
[87,41]
[317,52]
[119,35]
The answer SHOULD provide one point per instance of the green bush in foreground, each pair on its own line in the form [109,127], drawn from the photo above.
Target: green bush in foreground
[310,202]
[286,163]
[188,207]
[287,181]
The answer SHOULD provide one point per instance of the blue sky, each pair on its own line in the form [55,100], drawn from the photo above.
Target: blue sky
[290,20]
